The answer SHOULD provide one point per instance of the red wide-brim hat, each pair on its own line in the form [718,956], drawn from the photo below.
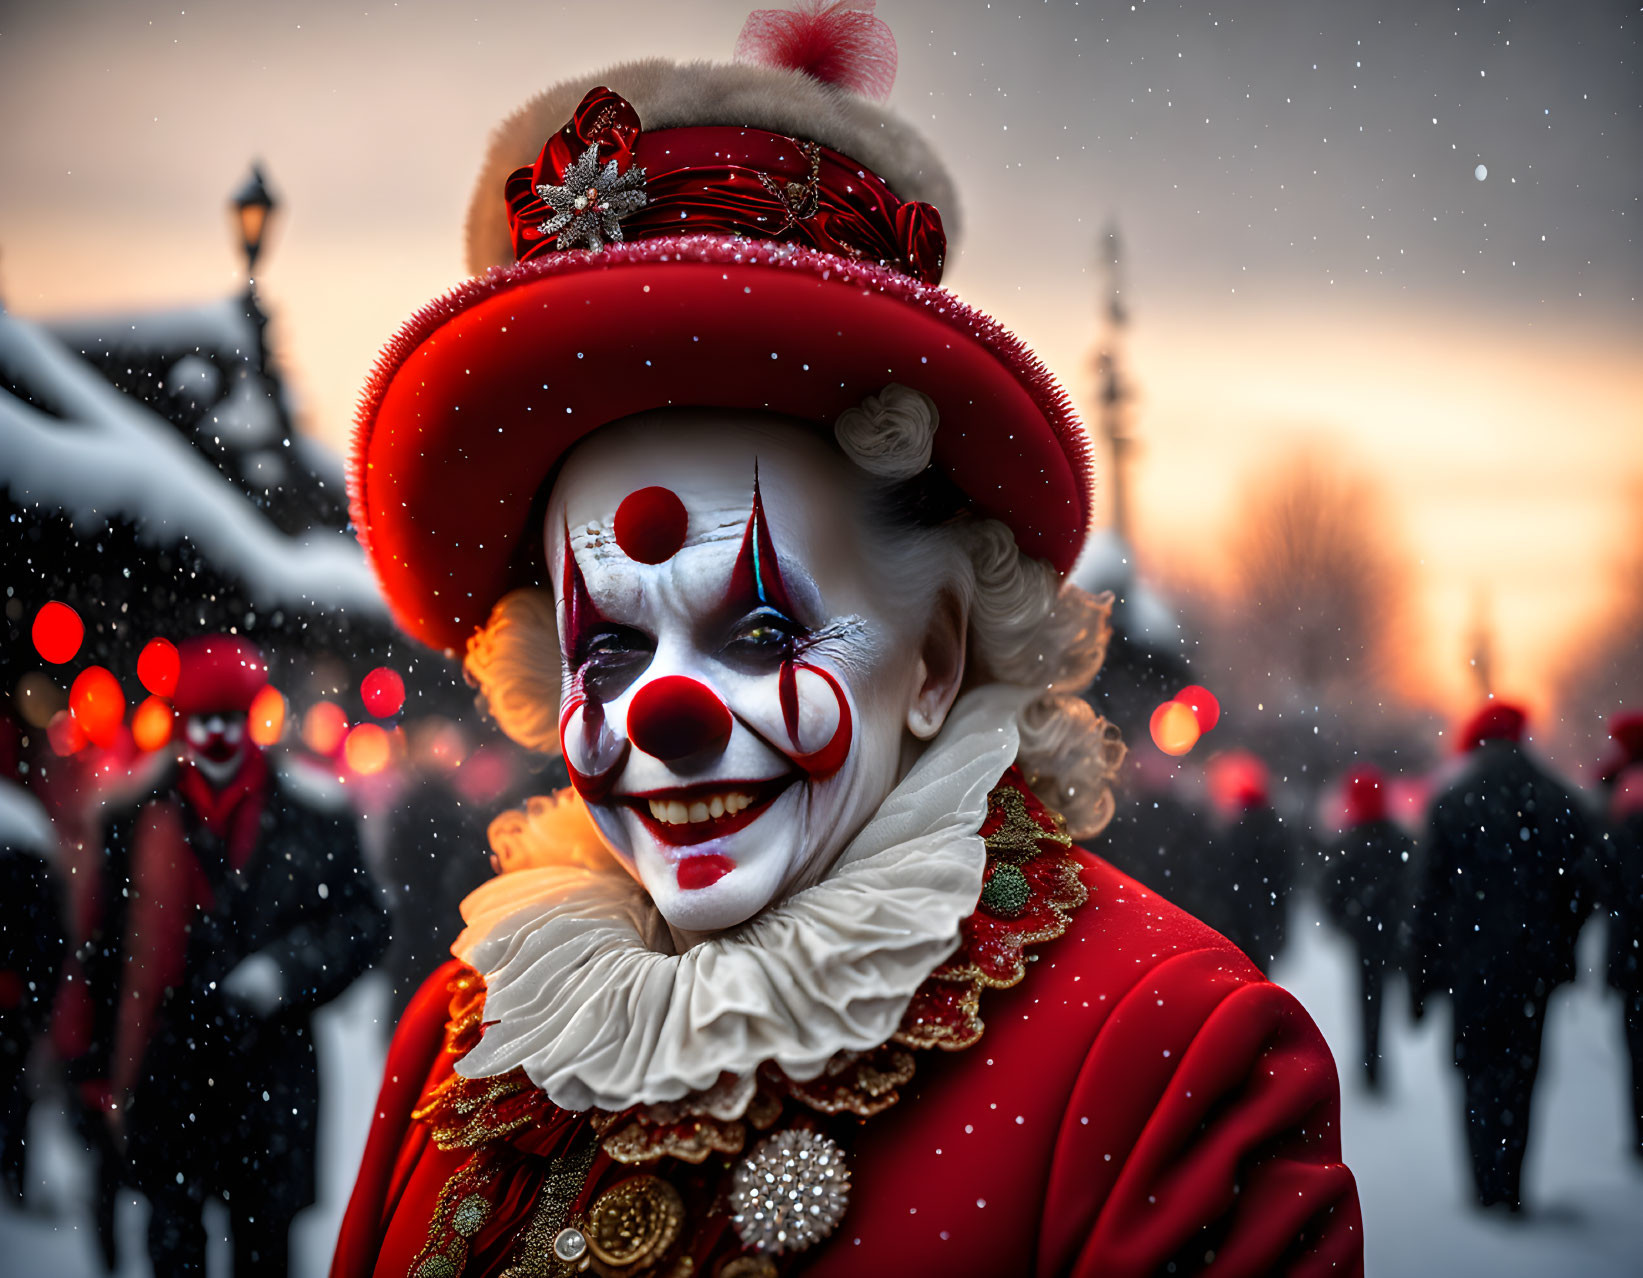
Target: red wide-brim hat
[763,272]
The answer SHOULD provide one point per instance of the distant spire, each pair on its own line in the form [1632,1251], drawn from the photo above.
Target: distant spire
[1482,643]
[1112,390]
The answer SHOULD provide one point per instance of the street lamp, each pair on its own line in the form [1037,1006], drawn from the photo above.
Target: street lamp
[252,206]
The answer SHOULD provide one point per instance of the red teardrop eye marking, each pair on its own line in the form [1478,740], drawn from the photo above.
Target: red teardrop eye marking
[675,717]
[650,525]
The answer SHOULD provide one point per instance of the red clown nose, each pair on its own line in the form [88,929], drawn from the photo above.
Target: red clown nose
[674,717]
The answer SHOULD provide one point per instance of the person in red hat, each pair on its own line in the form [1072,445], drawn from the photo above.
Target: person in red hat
[1626,732]
[1365,876]
[1620,884]
[1501,899]
[249,907]
[730,504]
[1249,871]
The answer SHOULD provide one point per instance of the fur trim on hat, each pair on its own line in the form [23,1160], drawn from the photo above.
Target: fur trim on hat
[671,94]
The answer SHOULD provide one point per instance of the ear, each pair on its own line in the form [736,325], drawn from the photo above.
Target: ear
[940,666]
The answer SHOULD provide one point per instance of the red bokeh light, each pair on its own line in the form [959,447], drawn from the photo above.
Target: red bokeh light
[151,726]
[58,631]
[98,705]
[324,727]
[1201,701]
[65,735]
[1174,728]
[367,749]
[266,721]
[158,667]
[1238,781]
[383,692]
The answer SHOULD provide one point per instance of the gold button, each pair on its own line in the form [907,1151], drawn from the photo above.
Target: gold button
[634,1223]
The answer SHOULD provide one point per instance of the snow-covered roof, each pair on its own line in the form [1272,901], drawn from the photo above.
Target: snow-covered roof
[245,418]
[1104,564]
[109,455]
[321,460]
[1108,563]
[222,326]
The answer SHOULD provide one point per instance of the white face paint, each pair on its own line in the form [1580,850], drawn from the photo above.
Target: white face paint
[737,683]
[216,744]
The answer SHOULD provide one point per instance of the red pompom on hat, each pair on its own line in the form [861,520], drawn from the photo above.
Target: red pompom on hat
[218,673]
[746,236]
[836,43]
[1496,721]
[1365,794]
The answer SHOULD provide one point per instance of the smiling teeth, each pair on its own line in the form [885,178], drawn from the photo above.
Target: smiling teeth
[674,812]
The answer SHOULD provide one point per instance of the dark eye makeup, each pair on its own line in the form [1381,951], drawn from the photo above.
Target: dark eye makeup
[611,657]
[766,633]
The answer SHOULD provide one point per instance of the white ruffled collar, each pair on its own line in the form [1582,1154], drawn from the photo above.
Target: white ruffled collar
[584,993]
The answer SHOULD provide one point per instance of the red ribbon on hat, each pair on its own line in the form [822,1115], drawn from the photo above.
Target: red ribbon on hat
[725,180]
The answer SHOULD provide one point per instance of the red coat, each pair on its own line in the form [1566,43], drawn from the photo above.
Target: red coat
[1143,1096]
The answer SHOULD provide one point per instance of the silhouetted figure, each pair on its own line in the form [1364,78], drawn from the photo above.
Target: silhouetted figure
[1501,902]
[1156,836]
[1621,886]
[32,943]
[1623,890]
[1251,869]
[436,854]
[1364,892]
[250,907]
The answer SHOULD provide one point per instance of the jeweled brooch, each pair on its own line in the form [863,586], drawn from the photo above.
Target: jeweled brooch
[592,201]
[790,1192]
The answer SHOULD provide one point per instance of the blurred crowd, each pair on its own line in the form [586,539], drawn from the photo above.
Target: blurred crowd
[171,919]
[1472,885]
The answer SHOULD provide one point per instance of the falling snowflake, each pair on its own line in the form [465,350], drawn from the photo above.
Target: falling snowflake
[591,204]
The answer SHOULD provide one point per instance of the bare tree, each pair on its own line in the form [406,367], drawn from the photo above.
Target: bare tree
[1319,578]
[1605,671]
[1305,644]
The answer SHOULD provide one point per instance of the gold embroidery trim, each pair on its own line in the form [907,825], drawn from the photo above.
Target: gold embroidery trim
[460,1211]
[463,1113]
[692,1141]
[533,1256]
[1018,839]
[865,1085]
[1070,894]
[940,1035]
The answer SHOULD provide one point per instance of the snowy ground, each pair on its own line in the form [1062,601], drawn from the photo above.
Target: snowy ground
[55,1236]
[1585,1193]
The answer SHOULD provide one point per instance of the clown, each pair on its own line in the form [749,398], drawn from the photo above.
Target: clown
[233,902]
[730,504]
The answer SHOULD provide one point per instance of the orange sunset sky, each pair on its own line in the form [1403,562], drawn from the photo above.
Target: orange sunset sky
[1406,234]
